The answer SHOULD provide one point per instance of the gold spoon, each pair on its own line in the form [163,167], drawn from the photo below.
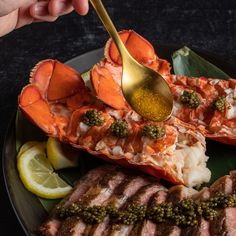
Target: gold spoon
[145,90]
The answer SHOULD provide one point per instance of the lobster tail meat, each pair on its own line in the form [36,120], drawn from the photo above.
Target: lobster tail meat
[212,109]
[177,154]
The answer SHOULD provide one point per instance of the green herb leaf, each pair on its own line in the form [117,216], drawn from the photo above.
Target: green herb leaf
[187,62]
[222,159]
[86,77]
[26,131]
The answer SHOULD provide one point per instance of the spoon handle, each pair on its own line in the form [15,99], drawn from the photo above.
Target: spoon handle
[106,20]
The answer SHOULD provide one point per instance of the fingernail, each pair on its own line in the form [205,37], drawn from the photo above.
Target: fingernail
[41,9]
[60,7]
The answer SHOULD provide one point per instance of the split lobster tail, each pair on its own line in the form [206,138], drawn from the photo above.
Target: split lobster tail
[58,102]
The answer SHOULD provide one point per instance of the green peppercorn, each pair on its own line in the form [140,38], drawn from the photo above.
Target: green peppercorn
[190,99]
[93,118]
[219,103]
[153,131]
[120,128]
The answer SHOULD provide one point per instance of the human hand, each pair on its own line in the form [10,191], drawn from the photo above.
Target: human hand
[17,13]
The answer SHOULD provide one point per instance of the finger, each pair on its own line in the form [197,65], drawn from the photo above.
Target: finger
[7,6]
[81,6]
[39,11]
[60,7]
[8,23]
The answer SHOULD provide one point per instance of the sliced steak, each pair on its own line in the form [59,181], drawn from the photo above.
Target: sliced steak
[175,194]
[96,195]
[52,225]
[142,198]
[127,189]
[138,228]
[233,177]
[149,228]
[223,184]
[111,185]
[203,227]
[225,223]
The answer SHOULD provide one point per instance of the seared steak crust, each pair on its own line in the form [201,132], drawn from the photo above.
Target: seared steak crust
[175,194]
[111,185]
[127,189]
[224,224]
[149,228]
[141,197]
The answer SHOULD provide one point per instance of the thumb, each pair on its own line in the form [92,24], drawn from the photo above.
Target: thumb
[8,6]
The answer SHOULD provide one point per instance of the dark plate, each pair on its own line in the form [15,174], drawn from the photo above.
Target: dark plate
[27,207]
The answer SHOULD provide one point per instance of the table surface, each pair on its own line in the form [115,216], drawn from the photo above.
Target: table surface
[208,25]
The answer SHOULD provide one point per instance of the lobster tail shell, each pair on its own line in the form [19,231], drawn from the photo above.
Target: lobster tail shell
[56,80]
[36,109]
[137,46]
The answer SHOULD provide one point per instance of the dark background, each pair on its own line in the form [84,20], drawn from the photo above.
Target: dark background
[202,24]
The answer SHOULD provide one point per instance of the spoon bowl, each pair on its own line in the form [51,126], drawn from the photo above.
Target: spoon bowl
[145,90]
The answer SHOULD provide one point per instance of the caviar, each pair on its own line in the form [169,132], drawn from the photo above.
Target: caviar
[190,99]
[93,118]
[184,213]
[219,104]
[133,214]
[120,128]
[153,131]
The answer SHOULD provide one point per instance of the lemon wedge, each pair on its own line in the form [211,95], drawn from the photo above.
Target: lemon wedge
[61,155]
[41,146]
[38,176]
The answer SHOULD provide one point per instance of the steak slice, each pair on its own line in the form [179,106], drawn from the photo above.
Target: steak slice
[138,228]
[225,223]
[203,227]
[148,228]
[127,189]
[96,195]
[175,194]
[142,198]
[223,184]
[233,177]
[52,224]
